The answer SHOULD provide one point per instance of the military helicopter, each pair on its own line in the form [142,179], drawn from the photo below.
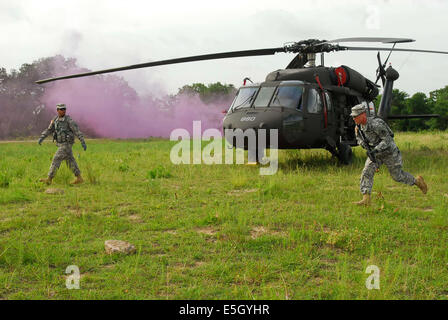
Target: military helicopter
[309,105]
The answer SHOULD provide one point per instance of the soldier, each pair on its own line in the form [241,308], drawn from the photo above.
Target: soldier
[375,135]
[64,130]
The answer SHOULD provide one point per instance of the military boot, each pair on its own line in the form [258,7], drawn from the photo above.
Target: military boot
[365,200]
[46,180]
[78,180]
[419,182]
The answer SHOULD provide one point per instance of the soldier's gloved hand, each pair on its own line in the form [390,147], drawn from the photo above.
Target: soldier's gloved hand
[84,146]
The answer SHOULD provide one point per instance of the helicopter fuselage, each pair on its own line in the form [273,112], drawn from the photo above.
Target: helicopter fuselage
[307,114]
[296,117]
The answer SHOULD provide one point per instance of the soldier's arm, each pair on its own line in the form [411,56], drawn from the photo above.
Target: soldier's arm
[74,127]
[359,139]
[47,131]
[383,133]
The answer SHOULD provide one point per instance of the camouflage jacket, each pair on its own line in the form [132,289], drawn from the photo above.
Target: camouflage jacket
[64,130]
[378,134]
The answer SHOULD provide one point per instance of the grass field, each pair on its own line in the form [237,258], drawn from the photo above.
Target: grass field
[221,231]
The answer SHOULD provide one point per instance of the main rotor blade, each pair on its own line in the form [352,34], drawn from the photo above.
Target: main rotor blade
[388,49]
[370,39]
[222,55]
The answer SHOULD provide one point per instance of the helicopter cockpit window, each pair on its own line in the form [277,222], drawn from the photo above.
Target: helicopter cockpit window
[244,98]
[314,101]
[288,97]
[264,96]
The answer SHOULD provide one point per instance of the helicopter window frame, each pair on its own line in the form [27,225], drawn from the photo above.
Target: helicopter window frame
[298,105]
[317,101]
[271,95]
[248,100]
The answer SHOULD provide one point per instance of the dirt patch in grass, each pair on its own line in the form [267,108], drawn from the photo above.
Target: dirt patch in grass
[135,218]
[184,266]
[259,231]
[76,212]
[198,264]
[317,281]
[54,191]
[207,231]
[241,192]
[210,232]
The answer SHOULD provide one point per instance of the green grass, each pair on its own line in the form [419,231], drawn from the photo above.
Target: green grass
[221,231]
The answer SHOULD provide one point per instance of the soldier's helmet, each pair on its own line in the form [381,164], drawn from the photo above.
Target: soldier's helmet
[357,110]
[60,106]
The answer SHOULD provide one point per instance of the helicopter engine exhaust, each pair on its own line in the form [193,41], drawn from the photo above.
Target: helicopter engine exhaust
[386,99]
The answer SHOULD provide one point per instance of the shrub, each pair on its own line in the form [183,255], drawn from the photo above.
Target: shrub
[159,172]
[123,167]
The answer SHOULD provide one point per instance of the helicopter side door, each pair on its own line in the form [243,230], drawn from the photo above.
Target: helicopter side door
[331,127]
[313,117]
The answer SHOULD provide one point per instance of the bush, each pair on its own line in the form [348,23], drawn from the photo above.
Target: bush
[123,167]
[159,172]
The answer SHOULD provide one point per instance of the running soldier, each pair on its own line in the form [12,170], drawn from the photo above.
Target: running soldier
[374,135]
[64,130]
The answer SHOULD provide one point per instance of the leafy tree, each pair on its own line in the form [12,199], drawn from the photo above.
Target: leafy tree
[398,106]
[403,104]
[209,93]
[438,100]
[21,108]
[417,104]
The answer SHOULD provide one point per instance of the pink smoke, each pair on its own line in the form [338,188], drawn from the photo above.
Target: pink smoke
[110,108]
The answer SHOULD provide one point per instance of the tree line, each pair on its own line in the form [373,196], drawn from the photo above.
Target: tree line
[23,111]
[419,103]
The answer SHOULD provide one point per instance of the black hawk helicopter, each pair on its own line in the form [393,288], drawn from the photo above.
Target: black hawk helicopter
[309,105]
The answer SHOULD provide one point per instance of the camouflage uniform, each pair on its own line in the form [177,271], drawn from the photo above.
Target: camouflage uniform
[381,141]
[64,130]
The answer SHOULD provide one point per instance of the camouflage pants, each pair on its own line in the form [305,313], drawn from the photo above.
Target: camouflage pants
[393,162]
[64,153]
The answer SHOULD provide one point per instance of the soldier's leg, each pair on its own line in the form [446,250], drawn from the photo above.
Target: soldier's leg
[59,156]
[395,165]
[368,172]
[71,161]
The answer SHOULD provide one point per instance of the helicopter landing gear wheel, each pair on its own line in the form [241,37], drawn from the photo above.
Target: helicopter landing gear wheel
[345,154]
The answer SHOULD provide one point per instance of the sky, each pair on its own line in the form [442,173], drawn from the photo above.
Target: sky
[105,34]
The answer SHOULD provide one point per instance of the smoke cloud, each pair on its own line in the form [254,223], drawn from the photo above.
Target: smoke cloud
[109,107]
